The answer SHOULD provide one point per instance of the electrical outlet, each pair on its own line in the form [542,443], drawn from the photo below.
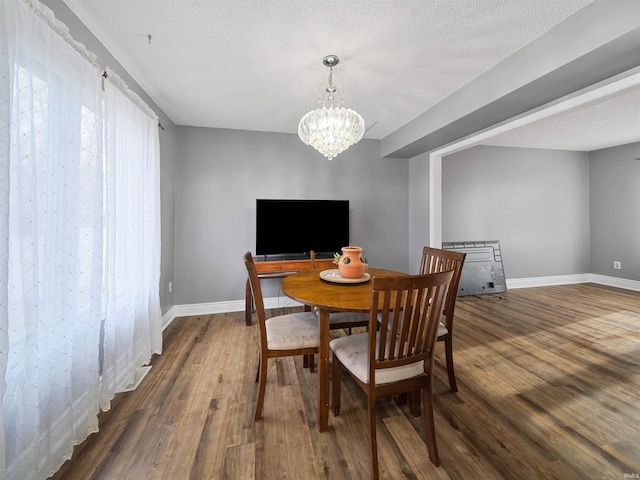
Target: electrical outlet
[170,287]
[617,265]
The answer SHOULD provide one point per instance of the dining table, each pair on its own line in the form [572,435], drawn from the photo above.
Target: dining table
[327,292]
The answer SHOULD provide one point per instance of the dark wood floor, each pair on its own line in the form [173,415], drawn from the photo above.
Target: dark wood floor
[549,382]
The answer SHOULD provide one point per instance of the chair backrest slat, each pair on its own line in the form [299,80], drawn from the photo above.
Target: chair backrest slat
[409,309]
[438,260]
[406,330]
[425,326]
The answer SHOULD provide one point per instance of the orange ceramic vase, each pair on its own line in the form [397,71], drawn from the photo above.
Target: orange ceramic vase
[351,264]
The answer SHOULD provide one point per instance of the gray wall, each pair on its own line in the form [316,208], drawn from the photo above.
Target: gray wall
[615,211]
[168,157]
[419,192]
[80,33]
[221,173]
[535,201]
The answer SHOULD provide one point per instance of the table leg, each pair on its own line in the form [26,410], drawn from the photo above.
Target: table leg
[248,304]
[323,371]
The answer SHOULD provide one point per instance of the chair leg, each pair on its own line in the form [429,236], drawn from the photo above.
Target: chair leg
[429,424]
[308,361]
[335,386]
[373,441]
[414,403]
[262,385]
[258,370]
[448,348]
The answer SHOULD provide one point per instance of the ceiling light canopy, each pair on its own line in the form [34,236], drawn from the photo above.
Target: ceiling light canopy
[332,128]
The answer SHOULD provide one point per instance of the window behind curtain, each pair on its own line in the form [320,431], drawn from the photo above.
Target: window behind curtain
[63,239]
[55,245]
[132,225]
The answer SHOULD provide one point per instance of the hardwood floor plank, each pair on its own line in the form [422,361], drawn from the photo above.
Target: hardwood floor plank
[204,464]
[239,462]
[406,440]
[549,388]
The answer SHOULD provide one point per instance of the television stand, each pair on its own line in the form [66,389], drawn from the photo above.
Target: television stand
[279,269]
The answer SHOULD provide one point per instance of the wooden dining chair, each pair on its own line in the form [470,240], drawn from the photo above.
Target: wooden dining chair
[438,260]
[398,357]
[287,335]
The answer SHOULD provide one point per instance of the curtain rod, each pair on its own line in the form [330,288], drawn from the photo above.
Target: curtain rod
[106,75]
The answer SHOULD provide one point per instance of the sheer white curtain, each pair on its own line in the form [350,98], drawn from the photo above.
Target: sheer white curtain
[53,267]
[4,221]
[133,329]
[79,241]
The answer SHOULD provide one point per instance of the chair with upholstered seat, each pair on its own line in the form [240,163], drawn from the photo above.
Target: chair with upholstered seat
[438,260]
[397,358]
[280,336]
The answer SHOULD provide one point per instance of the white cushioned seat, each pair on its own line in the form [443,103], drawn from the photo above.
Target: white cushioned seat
[292,331]
[352,352]
[442,329]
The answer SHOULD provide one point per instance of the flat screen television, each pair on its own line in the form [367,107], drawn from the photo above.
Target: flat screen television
[292,228]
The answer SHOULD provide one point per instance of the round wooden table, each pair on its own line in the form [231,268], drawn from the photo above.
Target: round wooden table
[309,289]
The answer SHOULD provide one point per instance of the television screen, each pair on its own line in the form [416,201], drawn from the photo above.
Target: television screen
[295,227]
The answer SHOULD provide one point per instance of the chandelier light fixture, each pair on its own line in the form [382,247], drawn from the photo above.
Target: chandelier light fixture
[331,129]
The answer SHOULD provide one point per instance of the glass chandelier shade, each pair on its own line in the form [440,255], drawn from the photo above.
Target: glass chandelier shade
[332,128]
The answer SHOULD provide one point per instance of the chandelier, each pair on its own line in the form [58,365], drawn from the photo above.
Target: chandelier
[332,128]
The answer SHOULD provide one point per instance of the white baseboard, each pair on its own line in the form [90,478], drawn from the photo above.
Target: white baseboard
[547,281]
[284,302]
[616,282]
[168,317]
[569,279]
[195,309]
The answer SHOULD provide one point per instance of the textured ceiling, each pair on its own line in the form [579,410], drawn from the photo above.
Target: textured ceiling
[613,121]
[257,65]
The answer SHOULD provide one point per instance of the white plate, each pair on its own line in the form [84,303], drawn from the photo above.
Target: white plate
[333,276]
